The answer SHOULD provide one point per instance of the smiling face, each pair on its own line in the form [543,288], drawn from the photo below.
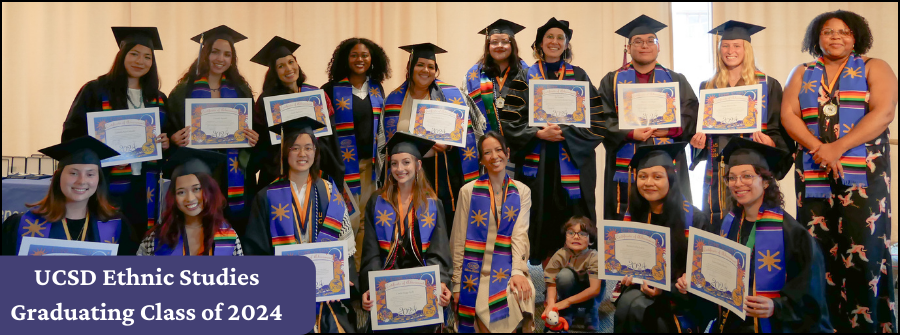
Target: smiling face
[836,45]
[500,47]
[493,157]
[424,72]
[138,61]
[287,69]
[554,44]
[646,51]
[220,57]
[189,195]
[78,182]
[732,52]
[404,167]
[747,187]
[574,240]
[302,154]
[653,183]
[360,59]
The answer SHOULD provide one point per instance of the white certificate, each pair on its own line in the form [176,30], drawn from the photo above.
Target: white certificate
[718,270]
[560,102]
[442,122]
[131,132]
[635,249]
[649,105]
[218,123]
[330,259]
[731,110]
[281,108]
[38,246]
[405,298]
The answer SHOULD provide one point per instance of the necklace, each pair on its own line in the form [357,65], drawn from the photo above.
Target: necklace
[133,105]
[81,236]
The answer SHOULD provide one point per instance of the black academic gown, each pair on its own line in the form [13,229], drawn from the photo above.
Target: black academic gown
[258,241]
[637,313]
[553,207]
[132,204]
[801,307]
[438,253]
[773,129]
[127,247]
[616,198]
[514,114]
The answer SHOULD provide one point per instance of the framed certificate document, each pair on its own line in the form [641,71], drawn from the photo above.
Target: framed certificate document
[281,108]
[406,298]
[731,110]
[635,249]
[718,270]
[649,105]
[218,123]
[560,102]
[39,246]
[330,259]
[442,122]
[131,132]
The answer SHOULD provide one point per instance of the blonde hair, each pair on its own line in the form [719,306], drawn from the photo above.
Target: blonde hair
[748,68]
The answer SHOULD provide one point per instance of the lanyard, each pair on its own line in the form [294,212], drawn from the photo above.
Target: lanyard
[409,217]
[493,206]
[828,85]
[302,207]
[560,72]
[501,82]
[81,237]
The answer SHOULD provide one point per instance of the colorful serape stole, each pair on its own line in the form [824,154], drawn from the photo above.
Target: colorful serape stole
[570,176]
[482,207]
[224,241]
[283,220]
[33,225]
[481,90]
[771,275]
[343,106]
[387,232]
[688,215]
[851,109]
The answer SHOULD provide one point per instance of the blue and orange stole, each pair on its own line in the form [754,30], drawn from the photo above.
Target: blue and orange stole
[343,107]
[481,206]
[224,240]
[851,109]
[284,215]
[569,173]
[768,235]
[394,104]
[481,90]
[120,181]
[34,225]
[386,221]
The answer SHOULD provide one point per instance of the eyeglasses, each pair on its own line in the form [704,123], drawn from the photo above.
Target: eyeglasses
[497,43]
[746,179]
[828,32]
[639,42]
[581,234]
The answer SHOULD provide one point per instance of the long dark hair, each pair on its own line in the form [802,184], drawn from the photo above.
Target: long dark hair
[53,206]
[116,80]
[272,82]
[411,65]
[772,196]
[286,143]
[232,74]
[862,35]
[673,208]
[211,217]
[491,68]
[339,66]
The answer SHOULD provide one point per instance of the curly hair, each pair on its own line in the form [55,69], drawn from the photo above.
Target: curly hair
[489,65]
[857,24]
[772,196]
[378,71]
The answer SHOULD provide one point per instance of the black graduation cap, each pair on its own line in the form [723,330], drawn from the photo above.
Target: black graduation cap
[277,47]
[221,32]
[656,155]
[408,143]
[303,124]
[185,161]
[423,50]
[552,23]
[641,25]
[502,26]
[736,30]
[741,151]
[146,36]
[82,150]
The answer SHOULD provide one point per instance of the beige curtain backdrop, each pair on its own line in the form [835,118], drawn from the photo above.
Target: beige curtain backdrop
[777,51]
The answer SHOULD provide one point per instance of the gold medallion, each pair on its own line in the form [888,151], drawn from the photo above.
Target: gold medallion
[830,109]
[499,102]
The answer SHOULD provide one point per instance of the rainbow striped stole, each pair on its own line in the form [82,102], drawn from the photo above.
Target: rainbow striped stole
[770,277]
[473,257]
[570,176]
[386,230]
[283,214]
[852,107]
[481,91]
[688,216]
[343,106]
[224,242]
[33,225]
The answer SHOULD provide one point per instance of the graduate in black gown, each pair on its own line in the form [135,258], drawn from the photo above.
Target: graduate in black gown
[415,238]
[559,162]
[76,206]
[656,198]
[787,270]
[131,83]
[643,46]
[276,220]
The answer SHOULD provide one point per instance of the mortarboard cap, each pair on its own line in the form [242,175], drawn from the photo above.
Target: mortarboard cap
[221,32]
[736,30]
[656,155]
[303,124]
[146,36]
[741,151]
[502,26]
[185,161]
[641,25]
[408,143]
[552,23]
[82,150]
[277,47]
[423,50]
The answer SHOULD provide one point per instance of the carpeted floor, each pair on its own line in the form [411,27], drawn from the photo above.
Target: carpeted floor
[606,309]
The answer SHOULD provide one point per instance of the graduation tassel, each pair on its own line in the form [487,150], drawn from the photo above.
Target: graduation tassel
[198,54]
[625,57]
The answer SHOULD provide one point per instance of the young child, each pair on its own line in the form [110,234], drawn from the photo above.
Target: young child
[571,274]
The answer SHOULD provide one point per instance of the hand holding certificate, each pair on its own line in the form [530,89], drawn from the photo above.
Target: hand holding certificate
[442,122]
[281,108]
[330,259]
[131,132]
[406,298]
[217,123]
[649,105]
[718,270]
[731,110]
[635,249]
[559,102]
